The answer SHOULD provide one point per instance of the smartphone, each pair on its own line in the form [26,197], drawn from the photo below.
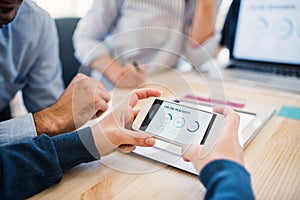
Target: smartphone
[178,124]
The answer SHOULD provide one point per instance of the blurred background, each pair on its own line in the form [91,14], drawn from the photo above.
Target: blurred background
[78,8]
[65,8]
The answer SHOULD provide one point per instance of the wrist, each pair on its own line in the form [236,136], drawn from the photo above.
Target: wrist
[102,139]
[197,41]
[113,73]
[108,67]
[45,122]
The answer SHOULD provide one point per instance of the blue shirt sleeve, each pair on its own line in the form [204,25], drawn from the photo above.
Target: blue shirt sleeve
[224,179]
[17,130]
[34,165]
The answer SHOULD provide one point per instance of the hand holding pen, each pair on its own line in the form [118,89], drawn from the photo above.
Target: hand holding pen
[131,75]
[134,63]
[128,76]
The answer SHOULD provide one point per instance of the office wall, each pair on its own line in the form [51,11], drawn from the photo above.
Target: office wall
[65,8]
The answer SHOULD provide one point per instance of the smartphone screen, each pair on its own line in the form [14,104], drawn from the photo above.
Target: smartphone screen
[178,123]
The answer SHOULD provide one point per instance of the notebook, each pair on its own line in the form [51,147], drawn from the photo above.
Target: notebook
[266,44]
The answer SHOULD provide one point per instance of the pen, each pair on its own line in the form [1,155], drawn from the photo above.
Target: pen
[134,63]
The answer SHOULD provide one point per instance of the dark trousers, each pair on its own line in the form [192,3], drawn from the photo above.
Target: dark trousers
[5,114]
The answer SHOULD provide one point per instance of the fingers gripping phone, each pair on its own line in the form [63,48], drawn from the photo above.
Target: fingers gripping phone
[178,124]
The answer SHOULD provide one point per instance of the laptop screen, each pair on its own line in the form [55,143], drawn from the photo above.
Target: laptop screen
[268,31]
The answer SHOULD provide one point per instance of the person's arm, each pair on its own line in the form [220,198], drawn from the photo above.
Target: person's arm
[44,82]
[221,170]
[17,129]
[92,51]
[203,38]
[70,112]
[121,76]
[203,24]
[93,28]
[84,99]
[224,179]
[34,165]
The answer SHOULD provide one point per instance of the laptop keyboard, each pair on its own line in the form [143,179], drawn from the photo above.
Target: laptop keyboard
[267,68]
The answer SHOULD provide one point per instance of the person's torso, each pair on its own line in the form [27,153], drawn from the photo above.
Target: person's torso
[151,32]
[19,44]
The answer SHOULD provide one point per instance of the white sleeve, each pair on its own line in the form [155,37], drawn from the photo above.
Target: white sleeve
[92,30]
[198,54]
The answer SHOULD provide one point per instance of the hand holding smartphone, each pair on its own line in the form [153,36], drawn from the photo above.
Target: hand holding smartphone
[178,124]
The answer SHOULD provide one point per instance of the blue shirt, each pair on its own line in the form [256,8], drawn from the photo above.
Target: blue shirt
[33,165]
[41,162]
[29,61]
[224,179]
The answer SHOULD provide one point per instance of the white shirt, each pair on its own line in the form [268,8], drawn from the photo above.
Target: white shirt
[152,32]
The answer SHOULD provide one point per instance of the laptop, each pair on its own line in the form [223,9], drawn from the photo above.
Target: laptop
[265,45]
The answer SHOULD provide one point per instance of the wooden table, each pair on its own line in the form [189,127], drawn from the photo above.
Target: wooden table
[272,157]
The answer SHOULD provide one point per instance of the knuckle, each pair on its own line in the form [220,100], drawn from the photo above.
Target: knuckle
[236,117]
[104,106]
[100,85]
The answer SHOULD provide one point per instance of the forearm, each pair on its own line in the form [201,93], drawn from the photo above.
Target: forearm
[225,179]
[203,20]
[75,148]
[33,165]
[108,66]
[198,55]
